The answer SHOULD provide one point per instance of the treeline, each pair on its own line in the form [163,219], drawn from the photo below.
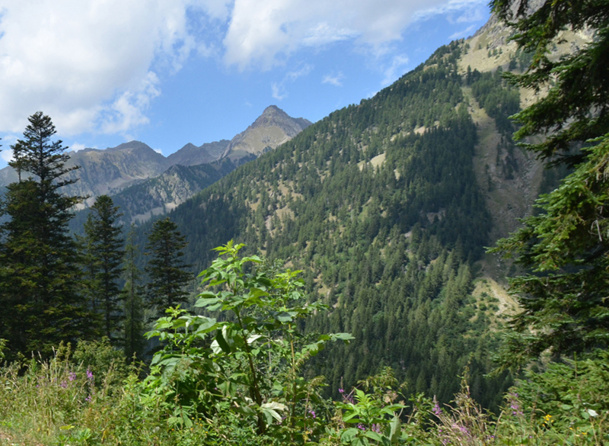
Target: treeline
[58,288]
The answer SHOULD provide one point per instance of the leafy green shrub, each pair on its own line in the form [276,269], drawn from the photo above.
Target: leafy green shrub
[373,416]
[243,365]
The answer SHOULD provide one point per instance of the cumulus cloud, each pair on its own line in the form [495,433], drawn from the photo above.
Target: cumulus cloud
[264,33]
[96,66]
[88,63]
[76,147]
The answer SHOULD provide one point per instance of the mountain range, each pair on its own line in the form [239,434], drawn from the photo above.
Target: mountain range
[159,183]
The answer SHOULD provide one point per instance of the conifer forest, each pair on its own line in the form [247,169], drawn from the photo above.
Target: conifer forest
[378,279]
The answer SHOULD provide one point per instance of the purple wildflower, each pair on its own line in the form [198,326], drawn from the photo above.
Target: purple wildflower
[71,376]
[514,404]
[89,374]
[63,384]
[88,399]
[437,410]
[361,427]
[341,390]
[312,412]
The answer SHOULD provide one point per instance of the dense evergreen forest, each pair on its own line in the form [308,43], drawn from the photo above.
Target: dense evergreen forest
[380,207]
[336,299]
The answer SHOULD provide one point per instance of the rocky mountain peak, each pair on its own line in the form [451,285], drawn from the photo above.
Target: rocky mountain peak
[133,145]
[271,129]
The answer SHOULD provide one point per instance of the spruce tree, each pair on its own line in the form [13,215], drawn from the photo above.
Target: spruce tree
[166,269]
[104,246]
[565,246]
[38,258]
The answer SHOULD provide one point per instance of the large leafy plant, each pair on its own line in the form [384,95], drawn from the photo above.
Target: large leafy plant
[244,355]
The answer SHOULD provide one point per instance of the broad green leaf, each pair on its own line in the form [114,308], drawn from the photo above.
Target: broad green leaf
[222,342]
[349,434]
[373,435]
[342,336]
[286,316]
[253,338]
[394,433]
[269,410]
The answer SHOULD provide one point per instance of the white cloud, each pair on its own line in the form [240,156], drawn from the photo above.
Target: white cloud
[279,89]
[263,33]
[127,111]
[97,65]
[395,69]
[88,62]
[7,155]
[333,79]
[76,147]
[464,32]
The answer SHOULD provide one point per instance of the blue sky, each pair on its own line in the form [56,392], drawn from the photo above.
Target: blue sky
[170,72]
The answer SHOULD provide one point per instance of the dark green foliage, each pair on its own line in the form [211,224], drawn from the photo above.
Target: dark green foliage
[132,294]
[38,258]
[575,108]
[564,246]
[499,99]
[103,257]
[167,272]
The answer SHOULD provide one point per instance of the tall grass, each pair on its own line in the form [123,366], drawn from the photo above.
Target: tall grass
[90,397]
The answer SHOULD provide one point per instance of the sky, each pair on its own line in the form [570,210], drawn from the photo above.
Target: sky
[172,72]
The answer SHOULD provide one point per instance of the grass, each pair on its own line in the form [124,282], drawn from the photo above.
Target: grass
[90,397]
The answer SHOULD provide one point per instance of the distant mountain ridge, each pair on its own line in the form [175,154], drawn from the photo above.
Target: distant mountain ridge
[116,169]
[191,155]
[173,187]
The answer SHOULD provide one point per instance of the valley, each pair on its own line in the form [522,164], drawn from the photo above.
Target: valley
[390,263]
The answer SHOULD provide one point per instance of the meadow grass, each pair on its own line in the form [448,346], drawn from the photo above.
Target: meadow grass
[90,397]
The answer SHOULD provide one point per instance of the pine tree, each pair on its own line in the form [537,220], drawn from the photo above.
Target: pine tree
[565,246]
[104,246]
[38,258]
[166,270]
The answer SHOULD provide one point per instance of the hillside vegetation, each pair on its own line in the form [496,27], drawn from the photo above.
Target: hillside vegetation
[381,206]
[346,294]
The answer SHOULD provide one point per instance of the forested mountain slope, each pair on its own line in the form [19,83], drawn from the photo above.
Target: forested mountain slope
[385,206]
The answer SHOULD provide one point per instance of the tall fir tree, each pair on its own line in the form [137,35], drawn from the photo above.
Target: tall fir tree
[104,254]
[566,245]
[38,257]
[167,272]
[132,298]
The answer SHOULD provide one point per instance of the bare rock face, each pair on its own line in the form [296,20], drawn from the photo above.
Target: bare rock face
[191,155]
[271,129]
